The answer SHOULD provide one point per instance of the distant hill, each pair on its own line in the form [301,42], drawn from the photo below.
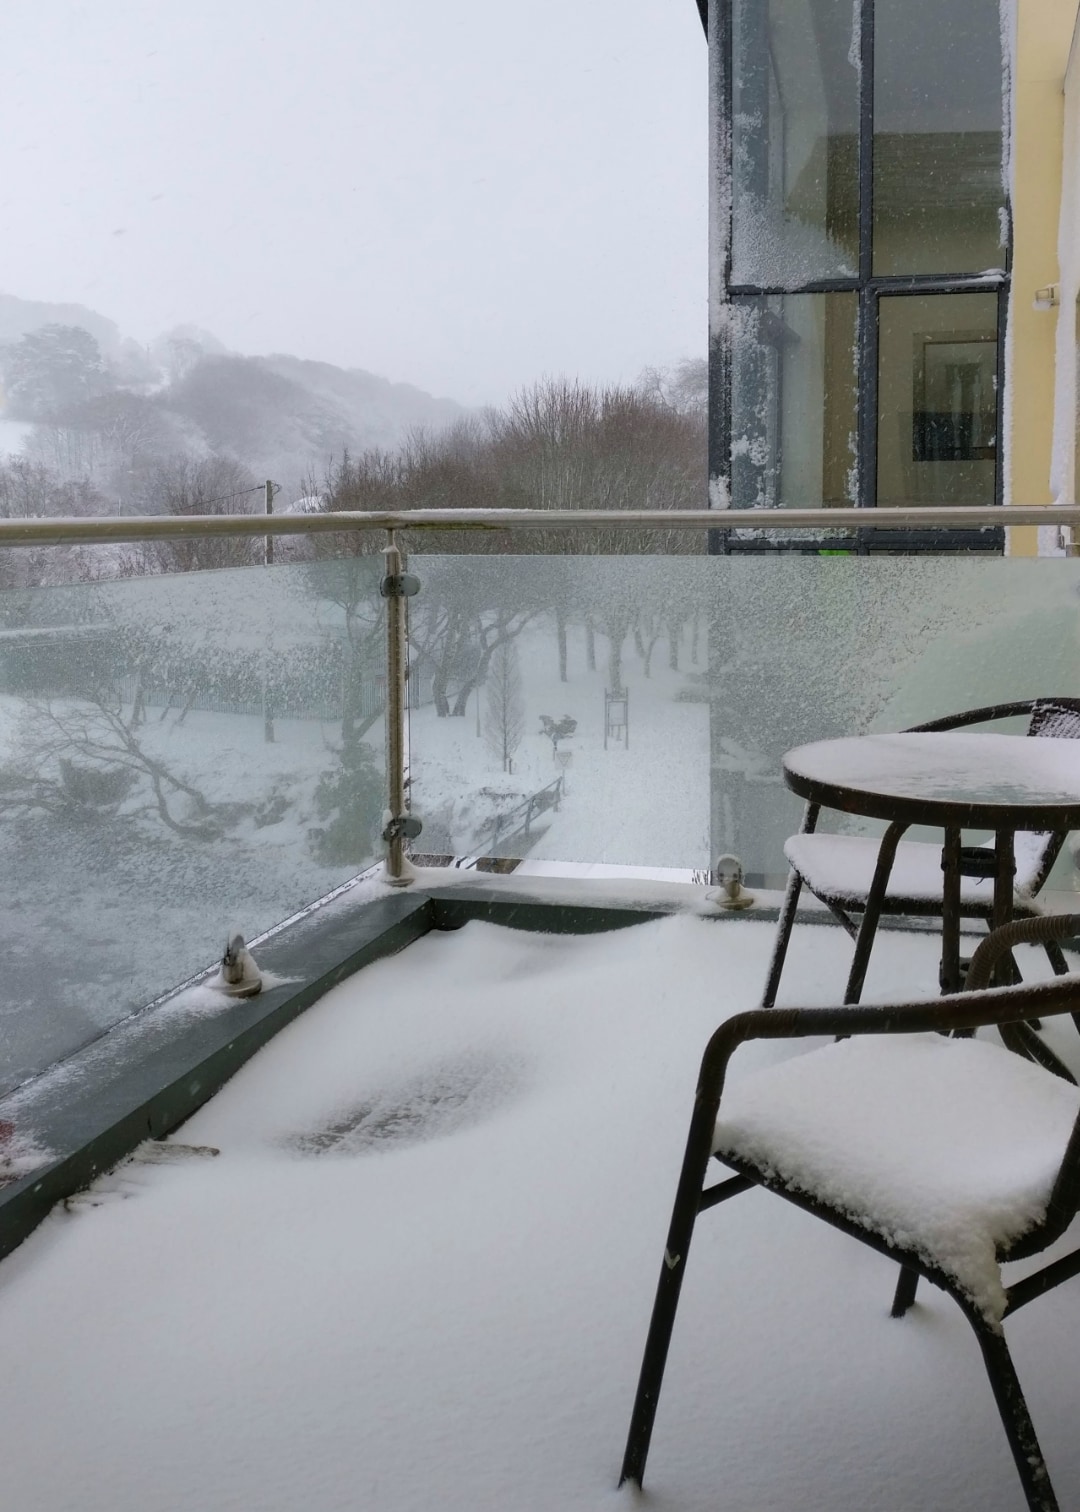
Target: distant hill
[286,417]
[375,407]
[282,416]
[20,316]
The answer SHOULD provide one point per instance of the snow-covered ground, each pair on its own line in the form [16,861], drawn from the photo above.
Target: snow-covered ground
[644,802]
[420,1270]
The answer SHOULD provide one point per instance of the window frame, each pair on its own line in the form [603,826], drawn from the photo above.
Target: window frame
[869,288]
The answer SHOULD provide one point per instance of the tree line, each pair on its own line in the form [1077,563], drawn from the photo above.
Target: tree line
[560,445]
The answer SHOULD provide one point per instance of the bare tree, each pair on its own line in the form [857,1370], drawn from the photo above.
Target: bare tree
[504,724]
[648,630]
[78,757]
[185,485]
[465,611]
[683,388]
[30,490]
[51,368]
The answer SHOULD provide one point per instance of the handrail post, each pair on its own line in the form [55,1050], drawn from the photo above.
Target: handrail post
[395,589]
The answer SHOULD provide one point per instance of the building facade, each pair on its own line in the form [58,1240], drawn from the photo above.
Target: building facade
[886,188]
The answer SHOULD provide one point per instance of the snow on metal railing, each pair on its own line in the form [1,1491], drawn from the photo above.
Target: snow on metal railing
[40,532]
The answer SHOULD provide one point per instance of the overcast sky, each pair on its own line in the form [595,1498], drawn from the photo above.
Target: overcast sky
[461,194]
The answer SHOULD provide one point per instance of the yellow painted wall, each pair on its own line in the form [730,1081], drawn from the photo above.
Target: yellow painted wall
[1045,29]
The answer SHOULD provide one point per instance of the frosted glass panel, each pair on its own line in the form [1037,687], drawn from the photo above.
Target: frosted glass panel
[180,756]
[636,711]
[560,708]
[805,648]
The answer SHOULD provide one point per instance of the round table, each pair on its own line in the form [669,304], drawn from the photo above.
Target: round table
[950,780]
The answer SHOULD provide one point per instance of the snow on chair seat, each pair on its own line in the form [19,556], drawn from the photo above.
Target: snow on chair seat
[842,867]
[948,1147]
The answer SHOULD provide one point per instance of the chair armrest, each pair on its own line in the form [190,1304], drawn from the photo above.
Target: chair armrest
[1030,931]
[974,1009]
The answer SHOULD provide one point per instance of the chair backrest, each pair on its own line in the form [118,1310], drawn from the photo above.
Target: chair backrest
[1059,718]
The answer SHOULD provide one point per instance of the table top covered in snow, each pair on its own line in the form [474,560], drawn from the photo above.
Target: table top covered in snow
[971,780]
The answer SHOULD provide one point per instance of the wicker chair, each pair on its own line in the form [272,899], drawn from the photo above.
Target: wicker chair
[838,868]
[934,1102]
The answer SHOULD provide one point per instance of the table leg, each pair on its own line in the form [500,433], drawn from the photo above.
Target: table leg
[949,972]
[874,899]
[1020,1037]
[1004,883]
[1003,880]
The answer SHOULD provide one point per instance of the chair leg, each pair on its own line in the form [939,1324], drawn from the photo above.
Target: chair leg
[1056,956]
[787,914]
[905,1291]
[874,900]
[950,976]
[1023,1040]
[783,939]
[665,1305]
[1060,967]
[1015,1418]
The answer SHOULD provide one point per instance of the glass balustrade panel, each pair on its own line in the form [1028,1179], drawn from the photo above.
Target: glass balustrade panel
[182,756]
[634,712]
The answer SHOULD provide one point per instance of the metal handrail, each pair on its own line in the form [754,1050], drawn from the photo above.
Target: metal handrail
[68,532]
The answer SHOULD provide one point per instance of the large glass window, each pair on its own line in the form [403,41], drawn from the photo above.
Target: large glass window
[867,262]
[794,141]
[939,197]
[793,400]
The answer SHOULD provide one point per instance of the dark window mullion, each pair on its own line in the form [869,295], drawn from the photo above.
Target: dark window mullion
[938,283]
[868,398]
[890,283]
[811,286]
[1000,449]
[866,373]
[720,363]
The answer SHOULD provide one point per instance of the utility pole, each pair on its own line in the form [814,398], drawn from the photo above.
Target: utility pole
[268,545]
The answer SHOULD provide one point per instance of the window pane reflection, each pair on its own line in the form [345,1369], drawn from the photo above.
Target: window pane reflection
[937,399]
[938,103]
[793,400]
[796,115]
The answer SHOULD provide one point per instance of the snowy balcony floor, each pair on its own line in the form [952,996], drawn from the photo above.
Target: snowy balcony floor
[420,1271]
